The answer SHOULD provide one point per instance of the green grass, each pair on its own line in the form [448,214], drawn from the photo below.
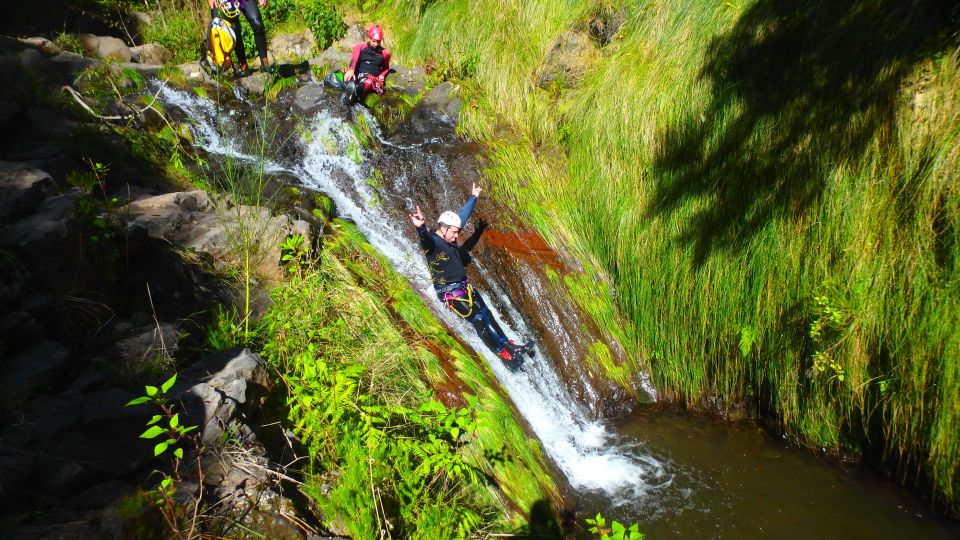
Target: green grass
[723,165]
[361,353]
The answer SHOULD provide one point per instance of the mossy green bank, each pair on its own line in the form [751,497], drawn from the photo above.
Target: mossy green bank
[405,429]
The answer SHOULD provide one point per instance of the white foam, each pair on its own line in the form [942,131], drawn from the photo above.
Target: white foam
[587,453]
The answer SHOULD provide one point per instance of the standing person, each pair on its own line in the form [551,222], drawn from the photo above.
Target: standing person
[447,261]
[251,11]
[369,66]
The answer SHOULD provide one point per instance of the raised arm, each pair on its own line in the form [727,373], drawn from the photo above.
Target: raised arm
[467,209]
[426,239]
[474,238]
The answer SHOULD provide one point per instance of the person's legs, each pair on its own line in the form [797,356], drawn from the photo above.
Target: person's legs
[478,314]
[251,10]
[238,46]
[485,325]
[356,89]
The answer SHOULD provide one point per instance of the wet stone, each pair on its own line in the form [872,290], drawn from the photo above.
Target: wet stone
[33,151]
[149,342]
[331,59]
[85,382]
[309,96]
[46,229]
[410,80]
[16,469]
[256,83]
[112,447]
[89,42]
[42,44]
[48,124]
[293,46]
[148,70]
[64,477]
[151,53]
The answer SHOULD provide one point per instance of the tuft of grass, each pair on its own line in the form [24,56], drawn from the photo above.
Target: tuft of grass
[180,31]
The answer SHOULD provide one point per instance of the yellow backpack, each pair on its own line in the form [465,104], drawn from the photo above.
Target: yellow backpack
[218,46]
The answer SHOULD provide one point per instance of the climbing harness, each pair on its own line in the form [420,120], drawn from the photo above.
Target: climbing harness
[455,293]
[230,8]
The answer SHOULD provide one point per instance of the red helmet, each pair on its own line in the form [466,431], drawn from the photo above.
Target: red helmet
[375,33]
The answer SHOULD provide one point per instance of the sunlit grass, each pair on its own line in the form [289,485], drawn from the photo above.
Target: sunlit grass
[353,311]
[724,165]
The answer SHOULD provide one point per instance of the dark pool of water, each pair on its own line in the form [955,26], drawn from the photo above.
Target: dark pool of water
[734,481]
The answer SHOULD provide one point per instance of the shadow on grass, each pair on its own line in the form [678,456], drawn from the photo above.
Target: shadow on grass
[798,88]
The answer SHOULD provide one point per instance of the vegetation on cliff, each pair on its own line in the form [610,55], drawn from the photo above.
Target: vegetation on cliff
[405,429]
[769,188]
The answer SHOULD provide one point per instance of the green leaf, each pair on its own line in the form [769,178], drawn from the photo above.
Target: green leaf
[455,432]
[175,420]
[748,336]
[152,432]
[165,387]
[165,483]
[137,401]
[156,418]
[151,390]
[160,448]
[200,91]
[179,453]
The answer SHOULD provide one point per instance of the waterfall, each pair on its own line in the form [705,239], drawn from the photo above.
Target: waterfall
[587,452]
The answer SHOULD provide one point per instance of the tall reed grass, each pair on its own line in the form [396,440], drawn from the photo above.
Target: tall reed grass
[770,189]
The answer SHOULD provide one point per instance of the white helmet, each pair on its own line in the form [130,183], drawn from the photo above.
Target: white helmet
[451,219]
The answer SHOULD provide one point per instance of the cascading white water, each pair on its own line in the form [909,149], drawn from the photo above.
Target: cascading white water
[584,449]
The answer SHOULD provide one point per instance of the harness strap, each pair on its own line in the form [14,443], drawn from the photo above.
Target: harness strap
[462,285]
[456,295]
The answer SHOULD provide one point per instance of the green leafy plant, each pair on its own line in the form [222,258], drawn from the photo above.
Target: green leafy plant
[96,212]
[616,531]
[68,42]
[294,253]
[826,331]
[324,20]
[172,436]
[455,69]
[224,331]
[748,336]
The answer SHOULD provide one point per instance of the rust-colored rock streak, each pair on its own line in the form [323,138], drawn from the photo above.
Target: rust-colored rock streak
[526,245]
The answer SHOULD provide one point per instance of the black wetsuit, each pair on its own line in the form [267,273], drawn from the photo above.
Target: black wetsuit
[448,270]
[369,64]
[251,10]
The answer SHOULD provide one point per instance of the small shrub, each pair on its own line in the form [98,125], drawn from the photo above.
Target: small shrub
[324,20]
[68,42]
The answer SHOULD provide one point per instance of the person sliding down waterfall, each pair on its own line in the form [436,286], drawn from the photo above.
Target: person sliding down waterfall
[447,261]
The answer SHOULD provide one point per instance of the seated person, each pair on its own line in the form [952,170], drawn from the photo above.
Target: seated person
[369,67]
